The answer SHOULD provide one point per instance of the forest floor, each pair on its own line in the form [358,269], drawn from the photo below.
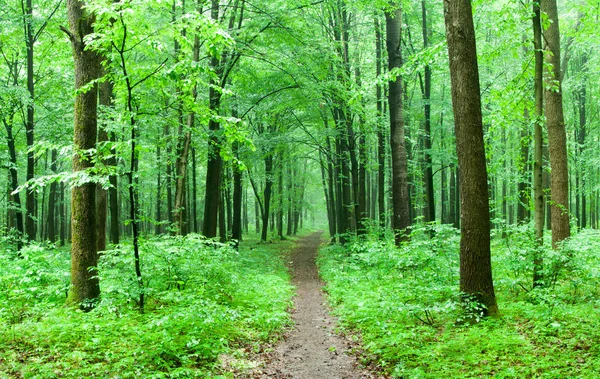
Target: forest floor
[311,349]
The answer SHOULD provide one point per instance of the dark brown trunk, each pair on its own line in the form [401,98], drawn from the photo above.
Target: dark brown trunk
[267,196]
[429,190]
[400,195]
[538,185]
[236,228]
[29,124]
[475,256]
[557,138]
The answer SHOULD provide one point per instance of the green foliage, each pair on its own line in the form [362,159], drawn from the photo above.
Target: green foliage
[205,301]
[405,306]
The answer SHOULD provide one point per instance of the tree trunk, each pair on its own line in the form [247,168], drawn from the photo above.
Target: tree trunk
[84,287]
[538,186]
[236,228]
[475,256]
[523,187]
[14,180]
[194,192]
[557,138]
[29,124]
[267,195]
[52,199]
[158,213]
[400,196]
[380,130]
[429,190]
[105,100]
[581,138]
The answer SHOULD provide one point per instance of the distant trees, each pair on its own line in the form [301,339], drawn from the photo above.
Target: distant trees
[253,112]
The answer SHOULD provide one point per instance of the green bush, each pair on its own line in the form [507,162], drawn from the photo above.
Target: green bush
[403,303]
[204,300]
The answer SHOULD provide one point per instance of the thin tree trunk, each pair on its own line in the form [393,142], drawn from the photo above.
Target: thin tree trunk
[30,205]
[582,134]
[267,195]
[429,189]
[157,226]
[236,229]
[14,180]
[380,130]
[194,192]
[52,199]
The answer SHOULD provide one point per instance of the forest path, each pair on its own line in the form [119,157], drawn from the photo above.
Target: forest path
[312,350]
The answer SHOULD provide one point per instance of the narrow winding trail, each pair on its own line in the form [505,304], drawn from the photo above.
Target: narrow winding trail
[312,350]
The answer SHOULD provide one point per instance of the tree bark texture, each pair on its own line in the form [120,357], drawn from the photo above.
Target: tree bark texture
[475,255]
[429,190]
[557,137]
[400,196]
[29,124]
[84,258]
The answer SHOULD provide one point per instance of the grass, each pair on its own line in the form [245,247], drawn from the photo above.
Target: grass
[205,302]
[403,305]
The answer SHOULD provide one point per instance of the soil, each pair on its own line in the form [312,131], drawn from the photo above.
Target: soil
[312,349]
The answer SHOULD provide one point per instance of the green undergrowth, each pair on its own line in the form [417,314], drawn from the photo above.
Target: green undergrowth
[205,303]
[402,305]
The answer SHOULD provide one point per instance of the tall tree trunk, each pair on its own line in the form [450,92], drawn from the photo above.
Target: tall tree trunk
[113,198]
[213,167]
[85,288]
[29,123]
[400,196]
[581,138]
[429,190]
[280,198]
[14,180]
[538,185]
[158,213]
[475,256]
[557,138]
[380,130]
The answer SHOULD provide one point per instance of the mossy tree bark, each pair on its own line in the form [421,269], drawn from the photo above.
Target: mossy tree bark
[475,256]
[557,137]
[85,286]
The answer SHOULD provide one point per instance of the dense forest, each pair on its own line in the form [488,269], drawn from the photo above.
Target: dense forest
[163,158]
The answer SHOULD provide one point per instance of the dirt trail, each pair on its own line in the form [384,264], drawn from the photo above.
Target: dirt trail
[312,350]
